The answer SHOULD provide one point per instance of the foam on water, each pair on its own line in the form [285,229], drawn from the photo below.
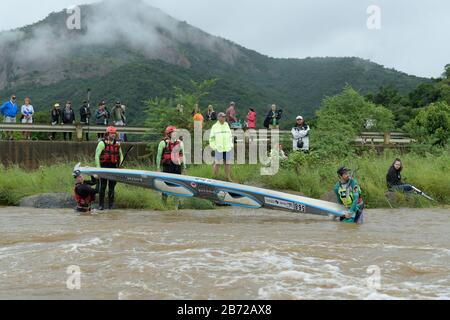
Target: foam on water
[226,254]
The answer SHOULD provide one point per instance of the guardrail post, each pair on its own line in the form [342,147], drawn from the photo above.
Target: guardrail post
[387,138]
[79,131]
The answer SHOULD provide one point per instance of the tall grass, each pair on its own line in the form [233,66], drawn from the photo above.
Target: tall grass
[429,173]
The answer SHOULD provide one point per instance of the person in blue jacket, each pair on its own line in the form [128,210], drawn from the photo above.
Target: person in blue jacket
[9,112]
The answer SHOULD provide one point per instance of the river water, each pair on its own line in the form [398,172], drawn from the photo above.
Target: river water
[223,254]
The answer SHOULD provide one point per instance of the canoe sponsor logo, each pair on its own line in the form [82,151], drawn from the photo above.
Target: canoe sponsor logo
[204,180]
[299,207]
[201,188]
[206,189]
[285,204]
[131,179]
[279,203]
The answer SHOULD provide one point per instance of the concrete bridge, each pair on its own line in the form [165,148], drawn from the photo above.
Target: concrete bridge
[32,154]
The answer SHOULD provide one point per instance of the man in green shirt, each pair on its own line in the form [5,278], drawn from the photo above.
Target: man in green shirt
[108,155]
[221,141]
[349,194]
[170,154]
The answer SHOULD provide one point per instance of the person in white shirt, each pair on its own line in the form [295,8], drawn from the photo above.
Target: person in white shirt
[300,135]
[27,116]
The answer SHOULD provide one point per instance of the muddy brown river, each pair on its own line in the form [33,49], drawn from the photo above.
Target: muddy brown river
[223,254]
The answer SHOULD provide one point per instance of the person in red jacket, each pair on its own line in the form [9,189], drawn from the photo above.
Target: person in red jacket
[251,119]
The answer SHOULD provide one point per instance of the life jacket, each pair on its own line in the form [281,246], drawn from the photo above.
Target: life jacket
[83,203]
[346,194]
[111,154]
[168,150]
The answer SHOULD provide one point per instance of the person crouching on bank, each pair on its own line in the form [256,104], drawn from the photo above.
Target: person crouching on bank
[84,194]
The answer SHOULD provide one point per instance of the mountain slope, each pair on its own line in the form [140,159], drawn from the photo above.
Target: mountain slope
[149,52]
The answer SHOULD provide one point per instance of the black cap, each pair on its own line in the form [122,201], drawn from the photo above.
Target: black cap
[342,170]
[76,173]
[118,102]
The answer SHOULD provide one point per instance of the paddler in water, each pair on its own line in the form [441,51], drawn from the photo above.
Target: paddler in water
[84,194]
[170,154]
[348,194]
[108,155]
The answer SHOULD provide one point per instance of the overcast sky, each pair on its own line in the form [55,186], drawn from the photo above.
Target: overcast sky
[414,35]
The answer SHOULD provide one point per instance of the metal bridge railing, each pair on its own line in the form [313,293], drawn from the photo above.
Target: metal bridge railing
[364,138]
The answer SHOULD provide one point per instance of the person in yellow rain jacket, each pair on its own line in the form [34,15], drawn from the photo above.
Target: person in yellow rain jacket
[221,141]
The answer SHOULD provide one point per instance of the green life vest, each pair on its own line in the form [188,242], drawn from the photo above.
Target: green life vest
[346,194]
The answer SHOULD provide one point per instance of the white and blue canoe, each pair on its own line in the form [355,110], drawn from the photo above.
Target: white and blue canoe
[217,191]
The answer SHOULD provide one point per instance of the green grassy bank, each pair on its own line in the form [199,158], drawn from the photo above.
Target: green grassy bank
[429,173]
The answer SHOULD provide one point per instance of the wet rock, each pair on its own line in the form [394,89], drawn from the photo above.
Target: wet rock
[49,201]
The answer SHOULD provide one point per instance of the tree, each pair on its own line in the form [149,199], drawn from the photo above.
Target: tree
[446,74]
[431,125]
[425,94]
[344,116]
[382,117]
[387,96]
[176,110]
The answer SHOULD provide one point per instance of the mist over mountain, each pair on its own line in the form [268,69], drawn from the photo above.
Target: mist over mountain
[131,51]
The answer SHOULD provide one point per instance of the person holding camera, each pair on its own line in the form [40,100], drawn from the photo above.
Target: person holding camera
[272,121]
[85,115]
[300,135]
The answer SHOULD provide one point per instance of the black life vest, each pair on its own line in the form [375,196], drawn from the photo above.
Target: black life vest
[169,150]
[111,154]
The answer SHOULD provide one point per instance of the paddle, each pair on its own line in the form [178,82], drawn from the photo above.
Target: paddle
[420,192]
[89,111]
[126,155]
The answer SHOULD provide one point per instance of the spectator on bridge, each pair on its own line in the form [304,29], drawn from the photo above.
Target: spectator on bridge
[85,116]
[9,111]
[300,135]
[180,108]
[210,115]
[27,116]
[251,119]
[198,118]
[119,118]
[68,118]
[195,110]
[273,118]
[55,119]
[231,113]
[101,117]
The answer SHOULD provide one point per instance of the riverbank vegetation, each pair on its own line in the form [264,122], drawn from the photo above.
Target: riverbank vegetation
[339,121]
[299,175]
